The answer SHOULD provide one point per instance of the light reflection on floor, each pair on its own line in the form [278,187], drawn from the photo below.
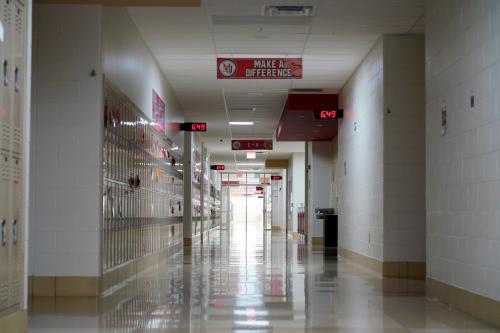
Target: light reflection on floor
[247,280]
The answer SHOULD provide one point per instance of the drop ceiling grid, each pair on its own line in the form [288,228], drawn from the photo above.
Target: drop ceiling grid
[186,43]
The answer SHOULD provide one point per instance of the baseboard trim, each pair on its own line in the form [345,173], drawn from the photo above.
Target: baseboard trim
[480,307]
[361,259]
[276,228]
[389,269]
[317,241]
[64,286]
[16,322]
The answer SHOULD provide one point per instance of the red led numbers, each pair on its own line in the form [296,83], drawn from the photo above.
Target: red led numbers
[328,114]
[194,127]
[218,167]
[198,127]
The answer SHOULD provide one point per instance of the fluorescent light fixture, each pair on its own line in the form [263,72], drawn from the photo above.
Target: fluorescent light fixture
[241,123]
[251,155]
[252,164]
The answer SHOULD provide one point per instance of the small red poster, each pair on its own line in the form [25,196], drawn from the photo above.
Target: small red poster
[158,112]
[259,68]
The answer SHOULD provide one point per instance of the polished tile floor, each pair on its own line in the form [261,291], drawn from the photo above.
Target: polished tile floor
[247,280]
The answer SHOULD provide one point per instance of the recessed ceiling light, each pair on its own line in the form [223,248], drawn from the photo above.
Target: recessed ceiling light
[241,123]
[251,164]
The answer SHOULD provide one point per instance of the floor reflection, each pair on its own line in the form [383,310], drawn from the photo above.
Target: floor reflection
[248,280]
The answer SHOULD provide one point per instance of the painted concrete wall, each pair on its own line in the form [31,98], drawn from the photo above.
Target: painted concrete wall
[404,148]
[463,169]
[320,182]
[298,185]
[381,153]
[128,63]
[70,42]
[361,146]
[66,139]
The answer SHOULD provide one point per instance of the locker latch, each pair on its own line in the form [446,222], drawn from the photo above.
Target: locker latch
[4,233]
[17,83]
[14,232]
[5,73]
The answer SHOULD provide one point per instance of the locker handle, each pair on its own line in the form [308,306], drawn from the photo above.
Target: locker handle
[14,232]
[4,233]
[17,83]
[5,73]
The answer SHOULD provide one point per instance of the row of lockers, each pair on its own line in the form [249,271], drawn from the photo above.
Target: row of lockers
[124,119]
[128,163]
[131,239]
[120,201]
[12,56]
[143,187]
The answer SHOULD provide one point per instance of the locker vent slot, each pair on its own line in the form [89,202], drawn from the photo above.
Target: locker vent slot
[4,292]
[7,12]
[19,21]
[5,136]
[5,167]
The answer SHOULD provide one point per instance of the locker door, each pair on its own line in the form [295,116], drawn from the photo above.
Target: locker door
[16,225]
[5,124]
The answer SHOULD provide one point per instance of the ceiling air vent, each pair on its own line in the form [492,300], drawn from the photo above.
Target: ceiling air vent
[288,11]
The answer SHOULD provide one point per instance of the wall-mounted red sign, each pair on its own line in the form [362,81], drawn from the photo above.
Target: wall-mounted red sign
[194,127]
[230,182]
[276,177]
[328,114]
[158,112]
[259,68]
[252,144]
[218,167]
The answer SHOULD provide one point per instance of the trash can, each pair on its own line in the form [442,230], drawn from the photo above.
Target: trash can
[330,228]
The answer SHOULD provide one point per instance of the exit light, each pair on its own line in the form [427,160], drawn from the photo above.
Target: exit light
[276,177]
[328,114]
[194,127]
[218,167]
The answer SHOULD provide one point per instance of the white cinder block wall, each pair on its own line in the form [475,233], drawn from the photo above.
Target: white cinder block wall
[463,167]
[66,139]
[320,182]
[404,148]
[128,63]
[297,167]
[360,140]
[381,153]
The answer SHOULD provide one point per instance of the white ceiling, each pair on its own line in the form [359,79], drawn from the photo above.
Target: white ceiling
[186,42]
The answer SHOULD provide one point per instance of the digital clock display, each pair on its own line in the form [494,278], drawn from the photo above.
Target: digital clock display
[194,127]
[328,114]
[218,167]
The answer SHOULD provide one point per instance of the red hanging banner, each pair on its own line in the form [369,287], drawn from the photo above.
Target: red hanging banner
[259,68]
